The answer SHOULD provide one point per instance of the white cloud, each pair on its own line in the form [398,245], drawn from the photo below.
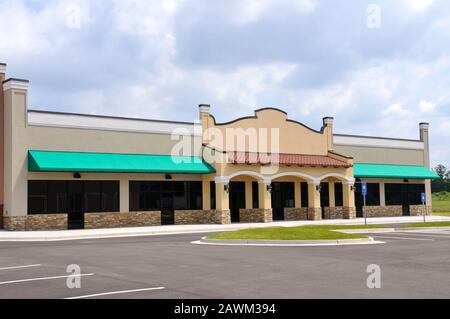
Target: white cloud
[426,106]
[396,110]
[418,5]
[250,11]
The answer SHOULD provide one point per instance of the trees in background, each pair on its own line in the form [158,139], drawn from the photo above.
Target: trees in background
[443,184]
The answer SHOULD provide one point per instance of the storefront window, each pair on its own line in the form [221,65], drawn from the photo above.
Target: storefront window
[148,195]
[51,197]
[404,194]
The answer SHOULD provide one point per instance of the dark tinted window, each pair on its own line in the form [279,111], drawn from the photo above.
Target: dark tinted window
[394,194]
[373,194]
[57,197]
[338,195]
[92,197]
[304,191]
[110,196]
[146,196]
[255,194]
[195,195]
[404,194]
[324,195]
[49,197]
[37,197]
[212,186]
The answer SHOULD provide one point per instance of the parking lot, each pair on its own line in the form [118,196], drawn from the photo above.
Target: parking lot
[413,265]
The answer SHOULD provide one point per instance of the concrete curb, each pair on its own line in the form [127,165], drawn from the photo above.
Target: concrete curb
[366,231]
[105,236]
[68,235]
[287,243]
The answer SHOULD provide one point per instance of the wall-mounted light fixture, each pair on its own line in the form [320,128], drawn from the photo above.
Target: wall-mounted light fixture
[76,175]
[352,188]
[406,180]
[168,176]
[226,188]
[269,188]
[319,188]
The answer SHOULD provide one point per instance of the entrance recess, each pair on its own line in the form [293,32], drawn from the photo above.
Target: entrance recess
[75,205]
[359,200]
[237,199]
[283,196]
[167,209]
[324,197]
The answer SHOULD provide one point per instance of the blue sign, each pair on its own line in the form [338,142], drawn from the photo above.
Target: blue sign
[364,188]
[424,198]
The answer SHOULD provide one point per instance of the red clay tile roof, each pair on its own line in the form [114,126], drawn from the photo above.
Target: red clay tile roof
[285,159]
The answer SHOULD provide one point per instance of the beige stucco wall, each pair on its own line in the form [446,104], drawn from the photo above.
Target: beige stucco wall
[15,183]
[84,140]
[308,141]
[378,155]
[2,139]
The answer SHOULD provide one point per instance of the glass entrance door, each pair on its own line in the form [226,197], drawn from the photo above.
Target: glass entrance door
[237,200]
[283,196]
[167,209]
[75,205]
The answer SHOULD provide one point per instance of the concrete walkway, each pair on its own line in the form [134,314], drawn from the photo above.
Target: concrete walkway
[190,229]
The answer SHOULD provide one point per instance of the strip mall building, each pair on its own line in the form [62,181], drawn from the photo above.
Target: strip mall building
[71,171]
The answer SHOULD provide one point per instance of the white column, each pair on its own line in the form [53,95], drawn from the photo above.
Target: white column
[382,194]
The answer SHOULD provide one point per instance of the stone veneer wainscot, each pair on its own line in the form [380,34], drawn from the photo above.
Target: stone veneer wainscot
[192,217]
[116,220]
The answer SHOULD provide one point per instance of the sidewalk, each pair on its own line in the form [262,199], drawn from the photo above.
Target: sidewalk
[189,229]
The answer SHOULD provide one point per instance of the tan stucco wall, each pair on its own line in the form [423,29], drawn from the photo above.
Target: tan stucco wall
[15,182]
[84,140]
[307,141]
[292,171]
[378,155]
[2,140]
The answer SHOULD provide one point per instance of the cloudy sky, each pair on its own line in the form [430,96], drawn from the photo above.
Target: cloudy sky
[378,67]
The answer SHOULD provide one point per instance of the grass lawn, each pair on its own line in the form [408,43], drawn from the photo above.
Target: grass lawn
[433,224]
[441,204]
[321,232]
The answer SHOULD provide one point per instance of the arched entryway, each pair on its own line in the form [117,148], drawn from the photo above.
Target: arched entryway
[243,195]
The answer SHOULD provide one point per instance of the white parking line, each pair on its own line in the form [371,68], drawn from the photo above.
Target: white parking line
[20,267]
[404,238]
[42,278]
[116,293]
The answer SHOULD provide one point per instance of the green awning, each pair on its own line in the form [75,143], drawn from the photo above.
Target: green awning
[49,161]
[393,171]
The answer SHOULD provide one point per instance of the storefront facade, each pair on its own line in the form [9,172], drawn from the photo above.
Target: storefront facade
[71,171]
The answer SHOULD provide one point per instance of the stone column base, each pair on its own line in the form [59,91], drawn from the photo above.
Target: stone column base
[333,212]
[193,217]
[14,223]
[314,213]
[222,217]
[255,215]
[293,214]
[349,212]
